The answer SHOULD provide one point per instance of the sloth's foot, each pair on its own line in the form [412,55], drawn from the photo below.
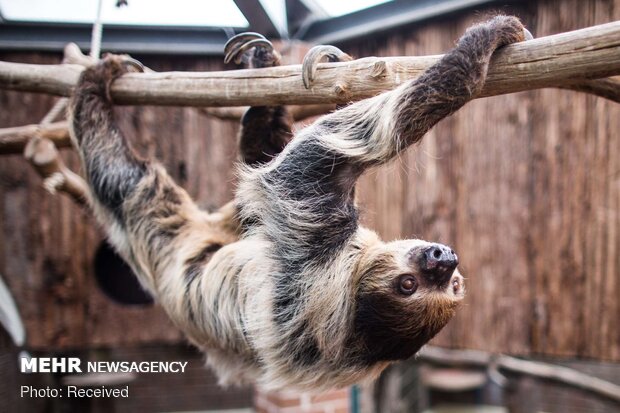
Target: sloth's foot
[507,30]
[108,69]
[239,49]
[121,63]
[314,57]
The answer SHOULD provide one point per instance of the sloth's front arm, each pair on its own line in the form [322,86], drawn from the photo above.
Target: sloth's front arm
[343,304]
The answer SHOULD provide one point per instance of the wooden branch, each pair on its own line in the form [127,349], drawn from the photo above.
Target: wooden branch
[44,156]
[552,61]
[72,55]
[561,374]
[545,371]
[607,88]
[14,140]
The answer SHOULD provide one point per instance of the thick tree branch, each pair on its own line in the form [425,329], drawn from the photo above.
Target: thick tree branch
[570,60]
[40,147]
[14,140]
[44,157]
[607,88]
[545,371]
[554,61]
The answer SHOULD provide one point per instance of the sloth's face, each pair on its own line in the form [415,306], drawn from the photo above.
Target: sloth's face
[407,292]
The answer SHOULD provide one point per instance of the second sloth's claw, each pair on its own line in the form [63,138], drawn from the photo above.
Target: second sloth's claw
[237,52]
[314,56]
[239,44]
[240,38]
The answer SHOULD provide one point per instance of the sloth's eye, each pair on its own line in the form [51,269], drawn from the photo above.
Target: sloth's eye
[407,284]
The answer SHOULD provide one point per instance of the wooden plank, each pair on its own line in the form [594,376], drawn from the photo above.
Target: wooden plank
[550,61]
[13,140]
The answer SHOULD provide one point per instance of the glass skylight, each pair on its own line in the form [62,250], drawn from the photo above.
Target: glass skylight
[200,13]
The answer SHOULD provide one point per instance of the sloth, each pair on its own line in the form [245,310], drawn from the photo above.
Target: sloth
[282,286]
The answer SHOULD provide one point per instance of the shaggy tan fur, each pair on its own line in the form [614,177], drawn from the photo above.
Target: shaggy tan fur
[283,287]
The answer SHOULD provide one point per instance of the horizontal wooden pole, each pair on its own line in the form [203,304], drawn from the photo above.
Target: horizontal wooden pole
[552,61]
[44,157]
[14,140]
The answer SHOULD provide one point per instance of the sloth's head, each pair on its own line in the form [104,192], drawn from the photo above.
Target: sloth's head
[406,293]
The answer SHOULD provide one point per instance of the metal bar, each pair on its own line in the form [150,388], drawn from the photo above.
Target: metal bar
[260,19]
[382,17]
[119,39]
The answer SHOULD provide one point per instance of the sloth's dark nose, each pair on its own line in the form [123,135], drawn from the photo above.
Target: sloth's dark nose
[438,263]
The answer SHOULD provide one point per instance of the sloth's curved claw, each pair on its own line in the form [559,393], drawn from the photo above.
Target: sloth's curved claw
[527,34]
[264,45]
[239,44]
[241,37]
[314,56]
[134,64]
[123,62]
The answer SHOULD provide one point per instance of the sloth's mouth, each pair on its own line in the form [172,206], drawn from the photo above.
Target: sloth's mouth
[457,285]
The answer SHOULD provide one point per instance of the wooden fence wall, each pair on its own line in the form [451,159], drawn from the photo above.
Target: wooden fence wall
[525,187]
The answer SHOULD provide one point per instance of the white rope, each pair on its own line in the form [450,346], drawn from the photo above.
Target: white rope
[95,39]
[55,111]
[95,51]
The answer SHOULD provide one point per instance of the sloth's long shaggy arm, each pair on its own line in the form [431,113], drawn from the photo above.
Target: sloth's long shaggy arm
[308,202]
[151,221]
[304,208]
